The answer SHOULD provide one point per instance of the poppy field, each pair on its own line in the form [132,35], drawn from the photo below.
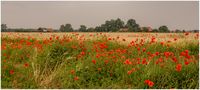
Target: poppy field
[100,60]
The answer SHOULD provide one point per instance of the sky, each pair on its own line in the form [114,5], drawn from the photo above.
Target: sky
[52,14]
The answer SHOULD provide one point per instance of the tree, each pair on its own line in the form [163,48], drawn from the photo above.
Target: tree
[101,28]
[109,26]
[112,25]
[90,29]
[155,30]
[183,31]
[119,23]
[104,28]
[195,31]
[3,27]
[68,28]
[83,28]
[145,29]
[62,28]
[40,29]
[132,25]
[163,29]
[177,31]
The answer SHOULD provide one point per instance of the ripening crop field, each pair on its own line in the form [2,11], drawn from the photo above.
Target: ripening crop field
[100,60]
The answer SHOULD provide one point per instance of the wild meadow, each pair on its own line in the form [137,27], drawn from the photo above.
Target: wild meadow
[100,60]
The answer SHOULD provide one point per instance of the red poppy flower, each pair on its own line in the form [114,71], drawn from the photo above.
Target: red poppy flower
[186,51]
[57,37]
[169,41]
[99,69]
[186,62]
[94,61]
[187,56]
[50,38]
[129,72]
[128,62]
[72,71]
[153,39]
[162,43]
[124,39]
[138,60]
[76,78]
[197,35]
[144,49]
[82,53]
[144,61]
[98,55]
[178,67]
[182,54]
[11,72]
[26,65]
[167,54]
[4,54]
[123,57]
[174,59]
[106,61]
[149,83]
[175,39]
[187,33]
[28,43]
[159,60]
[138,49]
[117,37]
[157,53]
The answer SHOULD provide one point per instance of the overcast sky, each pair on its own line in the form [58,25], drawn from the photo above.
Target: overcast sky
[34,14]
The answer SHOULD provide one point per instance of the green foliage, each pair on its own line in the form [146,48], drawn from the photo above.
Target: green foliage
[111,26]
[83,28]
[155,30]
[58,64]
[91,29]
[132,25]
[145,29]
[3,27]
[163,29]
[66,28]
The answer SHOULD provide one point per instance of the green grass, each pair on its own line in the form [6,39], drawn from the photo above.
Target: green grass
[51,65]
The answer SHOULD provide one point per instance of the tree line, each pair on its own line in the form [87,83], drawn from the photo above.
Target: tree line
[117,25]
[113,25]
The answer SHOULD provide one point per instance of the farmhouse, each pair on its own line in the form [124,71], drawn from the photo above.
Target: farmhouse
[149,29]
[123,29]
[45,29]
